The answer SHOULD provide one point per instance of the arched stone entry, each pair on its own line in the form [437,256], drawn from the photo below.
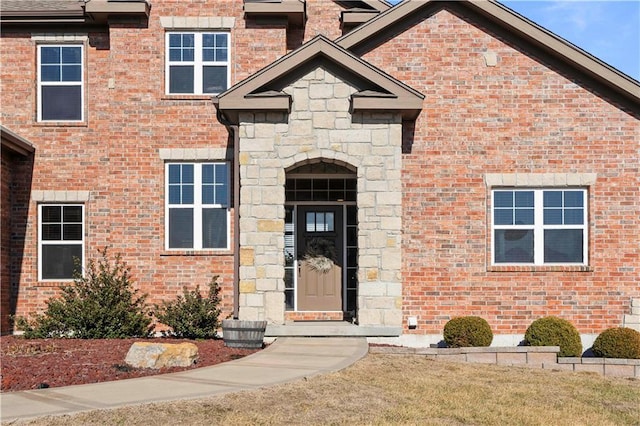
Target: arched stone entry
[321,223]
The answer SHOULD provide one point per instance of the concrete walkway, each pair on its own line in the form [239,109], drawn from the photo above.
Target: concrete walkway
[285,360]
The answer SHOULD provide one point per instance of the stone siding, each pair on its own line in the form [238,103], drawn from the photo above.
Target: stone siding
[321,128]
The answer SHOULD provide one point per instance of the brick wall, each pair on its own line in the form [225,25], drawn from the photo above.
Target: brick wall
[115,154]
[517,117]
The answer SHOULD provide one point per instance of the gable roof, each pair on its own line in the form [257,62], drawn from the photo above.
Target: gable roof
[376,89]
[363,36]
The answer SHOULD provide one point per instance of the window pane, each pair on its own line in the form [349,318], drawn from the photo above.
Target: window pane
[330,226]
[187,173]
[71,73]
[61,103]
[50,55]
[208,194]
[187,194]
[221,195]
[72,213]
[503,199]
[552,198]
[524,198]
[513,246]
[175,55]
[207,173]
[573,199]
[181,228]
[524,217]
[311,222]
[181,79]
[174,194]
[208,54]
[51,232]
[71,55]
[222,55]
[58,260]
[320,222]
[50,73]
[221,173]
[214,228]
[553,216]
[573,216]
[214,79]
[222,40]
[188,40]
[175,40]
[174,173]
[503,217]
[563,246]
[51,213]
[72,232]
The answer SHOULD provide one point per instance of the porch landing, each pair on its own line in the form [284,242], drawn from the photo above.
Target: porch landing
[329,329]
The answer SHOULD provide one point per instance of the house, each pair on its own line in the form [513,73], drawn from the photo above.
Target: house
[345,167]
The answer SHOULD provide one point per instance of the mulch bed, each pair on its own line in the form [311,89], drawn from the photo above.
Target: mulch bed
[41,363]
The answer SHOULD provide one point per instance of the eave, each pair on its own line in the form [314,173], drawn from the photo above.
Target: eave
[294,11]
[15,143]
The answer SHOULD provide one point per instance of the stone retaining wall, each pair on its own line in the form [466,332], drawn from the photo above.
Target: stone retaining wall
[545,357]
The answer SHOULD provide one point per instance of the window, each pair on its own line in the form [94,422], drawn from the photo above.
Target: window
[197,205]
[61,240]
[539,226]
[60,83]
[197,63]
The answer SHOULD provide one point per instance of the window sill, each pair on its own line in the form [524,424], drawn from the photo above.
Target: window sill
[540,268]
[61,124]
[54,283]
[186,97]
[169,253]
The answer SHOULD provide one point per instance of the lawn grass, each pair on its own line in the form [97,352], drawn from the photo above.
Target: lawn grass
[402,389]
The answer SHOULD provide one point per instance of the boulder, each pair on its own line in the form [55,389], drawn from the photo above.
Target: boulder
[159,355]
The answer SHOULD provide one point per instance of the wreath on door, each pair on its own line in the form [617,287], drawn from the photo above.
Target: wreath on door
[320,254]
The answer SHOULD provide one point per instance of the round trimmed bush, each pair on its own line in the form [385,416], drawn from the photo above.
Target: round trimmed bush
[618,342]
[554,331]
[467,331]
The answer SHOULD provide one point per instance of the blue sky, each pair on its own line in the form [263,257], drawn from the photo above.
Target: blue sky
[607,29]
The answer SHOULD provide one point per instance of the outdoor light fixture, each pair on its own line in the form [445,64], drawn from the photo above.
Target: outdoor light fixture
[412,322]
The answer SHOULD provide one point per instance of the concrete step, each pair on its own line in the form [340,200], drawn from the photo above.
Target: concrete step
[329,329]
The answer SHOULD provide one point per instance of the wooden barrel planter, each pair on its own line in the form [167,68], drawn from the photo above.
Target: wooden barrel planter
[243,334]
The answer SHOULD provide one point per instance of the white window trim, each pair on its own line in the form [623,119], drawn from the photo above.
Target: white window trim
[81,83]
[61,242]
[197,207]
[198,63]
[539,227]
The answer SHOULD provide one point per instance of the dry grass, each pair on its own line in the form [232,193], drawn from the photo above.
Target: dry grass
[392,389]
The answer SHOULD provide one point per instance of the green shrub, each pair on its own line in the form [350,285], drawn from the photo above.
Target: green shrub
[99,305]
[554,331]
[192,316]
[619,342]
[467,331]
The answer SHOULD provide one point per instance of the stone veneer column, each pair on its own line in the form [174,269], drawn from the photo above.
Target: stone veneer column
[321,128]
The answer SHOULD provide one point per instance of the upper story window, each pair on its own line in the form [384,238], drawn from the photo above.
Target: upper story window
[60,82]
[197,62]
[61,240]
[539,226]
[197,206]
